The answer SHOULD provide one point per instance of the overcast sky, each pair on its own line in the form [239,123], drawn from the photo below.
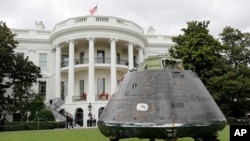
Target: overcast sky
[168,17]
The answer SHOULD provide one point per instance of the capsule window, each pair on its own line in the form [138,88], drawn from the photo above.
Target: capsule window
[134,85]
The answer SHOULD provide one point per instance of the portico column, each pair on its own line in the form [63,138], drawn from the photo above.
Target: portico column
[113,78]
[130,56]
[91,76]
[140,55]
[71,72]
[58,72]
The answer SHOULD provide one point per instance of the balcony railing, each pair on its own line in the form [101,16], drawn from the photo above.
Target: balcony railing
[81,61]
[102,97]
[99,97]
[81,97]
[122,62]
[64,64]
[98,21]
[77,62]
[98,60]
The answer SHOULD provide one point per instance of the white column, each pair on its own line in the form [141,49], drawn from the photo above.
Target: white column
[113,78]
[130,56]
[91,88]
[58,72]
[140,55]
[71,71]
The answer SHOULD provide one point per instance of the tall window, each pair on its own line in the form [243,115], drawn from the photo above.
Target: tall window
[134,58]
[42,88]
[81,86]
[65,60]
[100,85]
[64,89]
[82,58]
[43,60]
[118,58]
[100,56]
[135,64]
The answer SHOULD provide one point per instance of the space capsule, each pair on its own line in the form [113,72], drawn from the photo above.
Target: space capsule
[161,101]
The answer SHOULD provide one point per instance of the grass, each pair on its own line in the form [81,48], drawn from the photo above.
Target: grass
[91,134]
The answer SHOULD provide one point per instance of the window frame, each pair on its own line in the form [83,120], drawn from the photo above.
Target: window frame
[43,64]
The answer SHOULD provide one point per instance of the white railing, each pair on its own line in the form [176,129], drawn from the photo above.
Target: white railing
[30,32]
[159,38]
[98,21]
[84,21]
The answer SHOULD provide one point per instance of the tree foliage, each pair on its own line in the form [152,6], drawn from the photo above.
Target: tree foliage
[7,44]
[221,64]
[46,115]
[237,55]
[197,48]
[36,105]
[17,75]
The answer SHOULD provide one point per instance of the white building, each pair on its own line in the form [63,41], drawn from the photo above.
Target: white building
[86,55]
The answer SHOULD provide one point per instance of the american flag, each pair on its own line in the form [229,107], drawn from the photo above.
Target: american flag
[93,10]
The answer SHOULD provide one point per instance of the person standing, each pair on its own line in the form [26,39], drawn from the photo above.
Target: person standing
[71,122]
[67,121]
[94,121]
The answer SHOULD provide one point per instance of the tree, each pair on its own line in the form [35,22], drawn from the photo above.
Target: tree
[7,44]
[22,76]
[222,66]
[236,84]
[197,48]
[17,74]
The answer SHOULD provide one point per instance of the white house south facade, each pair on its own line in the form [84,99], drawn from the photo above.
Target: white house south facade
[82,60]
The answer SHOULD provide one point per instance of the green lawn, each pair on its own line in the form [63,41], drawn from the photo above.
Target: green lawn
[75,135]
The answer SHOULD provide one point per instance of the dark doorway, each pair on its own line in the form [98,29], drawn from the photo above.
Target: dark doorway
[79,117]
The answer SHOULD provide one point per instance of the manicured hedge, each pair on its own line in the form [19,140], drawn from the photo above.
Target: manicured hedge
[34,125]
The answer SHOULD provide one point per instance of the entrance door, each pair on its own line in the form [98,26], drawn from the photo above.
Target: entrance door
[79,117]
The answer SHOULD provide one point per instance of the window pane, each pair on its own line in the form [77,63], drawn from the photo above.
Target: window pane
[64,89]
[43,60]
[81,86]
[65,60]
[118,58]
[100,85]
[82,57]
[42,88]
[100,56]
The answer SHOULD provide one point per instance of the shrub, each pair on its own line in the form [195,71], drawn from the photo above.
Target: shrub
[36,105]
[34,125]
[45,115]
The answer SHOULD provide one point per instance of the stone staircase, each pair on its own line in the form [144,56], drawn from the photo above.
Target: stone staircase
[54,106]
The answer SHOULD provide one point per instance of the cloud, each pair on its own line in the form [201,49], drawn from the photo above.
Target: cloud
[166,16]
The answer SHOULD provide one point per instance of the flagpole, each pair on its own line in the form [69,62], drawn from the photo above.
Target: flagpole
[97,11]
